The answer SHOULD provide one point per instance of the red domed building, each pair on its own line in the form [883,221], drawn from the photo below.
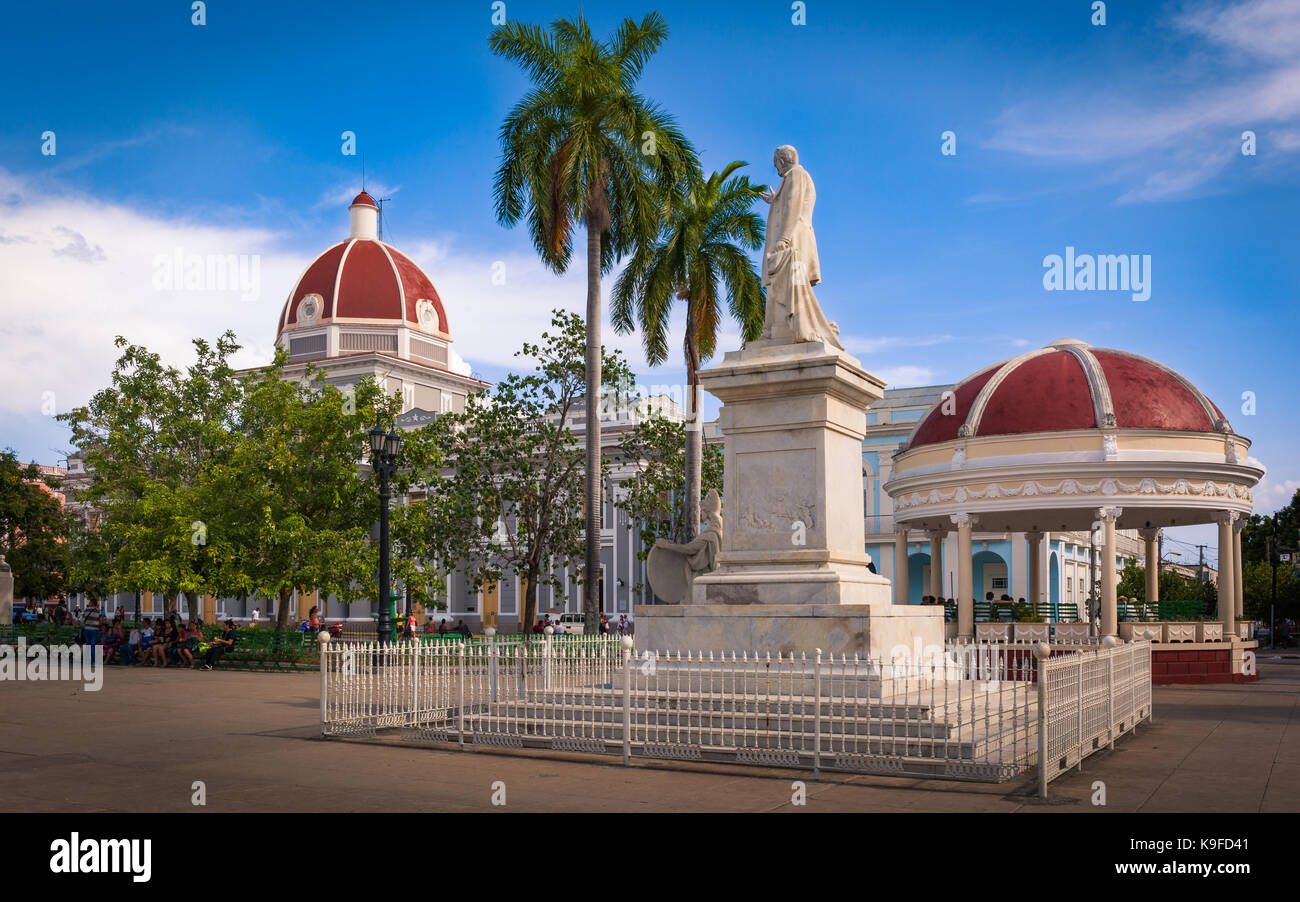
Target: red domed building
[1068,439]
[362,307]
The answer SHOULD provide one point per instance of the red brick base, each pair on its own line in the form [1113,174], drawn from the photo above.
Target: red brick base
[1195,667]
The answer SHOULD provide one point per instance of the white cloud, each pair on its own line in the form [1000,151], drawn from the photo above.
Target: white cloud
[75,272]
[490,319]
[341,193]
[1270,495]
[1176,138]
[906,376]
[859,345]
[1267,28]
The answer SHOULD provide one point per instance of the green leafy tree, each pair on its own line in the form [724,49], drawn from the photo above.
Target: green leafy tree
[1257,587]
[89,558]
[654,500]
[291,509]
[32,530]
[582,146]
[506,489]
[1174,586]
[701,252]
[148,439]
[1279,531]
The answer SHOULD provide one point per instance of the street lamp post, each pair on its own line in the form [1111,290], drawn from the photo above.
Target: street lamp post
[383,458]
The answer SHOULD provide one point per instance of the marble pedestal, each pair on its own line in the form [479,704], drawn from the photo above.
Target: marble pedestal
[867,630]
[792,571]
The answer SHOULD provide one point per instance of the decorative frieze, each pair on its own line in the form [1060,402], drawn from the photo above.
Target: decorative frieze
[1069,487]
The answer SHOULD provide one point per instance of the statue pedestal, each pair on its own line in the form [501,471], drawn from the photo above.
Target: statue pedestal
[792,571]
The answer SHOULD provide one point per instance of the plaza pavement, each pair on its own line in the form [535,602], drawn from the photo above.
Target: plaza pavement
[253,739]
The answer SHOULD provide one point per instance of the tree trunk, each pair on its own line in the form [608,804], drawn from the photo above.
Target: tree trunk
[694,425]
[529,615]
[282,610]
[591,587]
[169,605]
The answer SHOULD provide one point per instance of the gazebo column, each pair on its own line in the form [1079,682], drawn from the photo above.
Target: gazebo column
[1109,583]
[936,563]
[965,592]
[1227,578]
[1151,538]
[1035,568]
[900,565]
[1237,593]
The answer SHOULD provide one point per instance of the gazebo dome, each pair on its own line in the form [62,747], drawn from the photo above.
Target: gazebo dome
[1044,440]
[364,281]
[1070,385]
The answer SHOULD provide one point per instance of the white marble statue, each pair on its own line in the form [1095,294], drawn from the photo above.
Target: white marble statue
[790,263]
[671,567]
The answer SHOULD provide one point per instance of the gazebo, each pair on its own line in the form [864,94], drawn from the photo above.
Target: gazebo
[1074,438]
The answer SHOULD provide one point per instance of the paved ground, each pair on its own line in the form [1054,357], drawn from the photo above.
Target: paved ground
[253,739]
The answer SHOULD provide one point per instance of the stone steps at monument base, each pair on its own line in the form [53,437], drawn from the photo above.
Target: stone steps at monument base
[578,716]
[966,702]
[981,761]
[1007,744]
[965,730]
[604,696]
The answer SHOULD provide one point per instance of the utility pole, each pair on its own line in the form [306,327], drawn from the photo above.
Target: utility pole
[1269,542]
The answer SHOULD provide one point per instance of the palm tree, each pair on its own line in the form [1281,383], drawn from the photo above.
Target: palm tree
[704,243]
[583,146]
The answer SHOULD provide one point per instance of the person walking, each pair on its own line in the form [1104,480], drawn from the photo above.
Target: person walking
[90,627]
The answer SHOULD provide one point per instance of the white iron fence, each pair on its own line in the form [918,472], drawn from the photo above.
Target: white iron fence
[966,711]
[1086,701]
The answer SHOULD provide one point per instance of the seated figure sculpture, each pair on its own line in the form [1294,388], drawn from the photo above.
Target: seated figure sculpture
[671,567]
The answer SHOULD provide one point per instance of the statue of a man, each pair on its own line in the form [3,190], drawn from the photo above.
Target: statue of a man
[790,262]
[671,568]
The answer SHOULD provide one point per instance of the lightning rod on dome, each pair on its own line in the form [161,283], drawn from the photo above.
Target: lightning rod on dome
[379,202]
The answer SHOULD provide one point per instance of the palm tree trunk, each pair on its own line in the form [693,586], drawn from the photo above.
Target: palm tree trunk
[591,593]
[694,425]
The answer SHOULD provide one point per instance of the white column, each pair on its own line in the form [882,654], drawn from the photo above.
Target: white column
[936,563]
[1109,582]
[1034,595]
[900,565]
[1151,538]
[965,597]
[1237,592]
[1227,579]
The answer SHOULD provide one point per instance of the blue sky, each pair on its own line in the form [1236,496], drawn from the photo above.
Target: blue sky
[225,138]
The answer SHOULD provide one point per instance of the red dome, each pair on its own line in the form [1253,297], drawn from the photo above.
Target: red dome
[364,198]
[365,280]
[1069,385]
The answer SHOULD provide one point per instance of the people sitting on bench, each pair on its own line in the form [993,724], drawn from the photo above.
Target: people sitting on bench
[219,646]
